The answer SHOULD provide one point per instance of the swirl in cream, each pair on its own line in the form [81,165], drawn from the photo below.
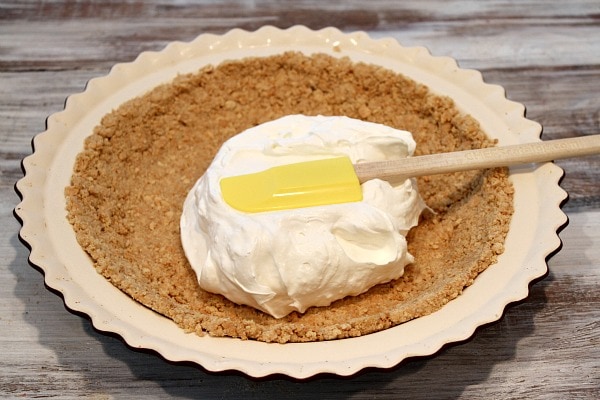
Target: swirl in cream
[290,260]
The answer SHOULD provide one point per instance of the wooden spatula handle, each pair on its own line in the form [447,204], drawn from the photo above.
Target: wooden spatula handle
[479,159]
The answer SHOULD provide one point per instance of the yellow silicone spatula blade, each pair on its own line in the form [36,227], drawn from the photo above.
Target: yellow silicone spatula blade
[305,184]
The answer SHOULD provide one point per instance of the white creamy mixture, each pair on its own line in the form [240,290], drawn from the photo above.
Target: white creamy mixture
[282,261]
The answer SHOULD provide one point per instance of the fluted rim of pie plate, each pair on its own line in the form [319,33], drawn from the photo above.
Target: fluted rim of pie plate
[67,269]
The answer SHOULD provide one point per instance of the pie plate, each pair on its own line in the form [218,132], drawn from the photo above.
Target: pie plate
[531,238]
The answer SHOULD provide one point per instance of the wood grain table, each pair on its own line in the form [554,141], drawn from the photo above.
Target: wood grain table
[546,54]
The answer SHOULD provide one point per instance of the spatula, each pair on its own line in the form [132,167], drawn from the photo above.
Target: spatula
[337,180]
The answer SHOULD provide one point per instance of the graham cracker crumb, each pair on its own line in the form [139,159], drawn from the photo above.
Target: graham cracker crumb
[129,183]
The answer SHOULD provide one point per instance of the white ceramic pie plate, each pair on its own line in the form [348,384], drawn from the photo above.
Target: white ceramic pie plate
[532,236]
